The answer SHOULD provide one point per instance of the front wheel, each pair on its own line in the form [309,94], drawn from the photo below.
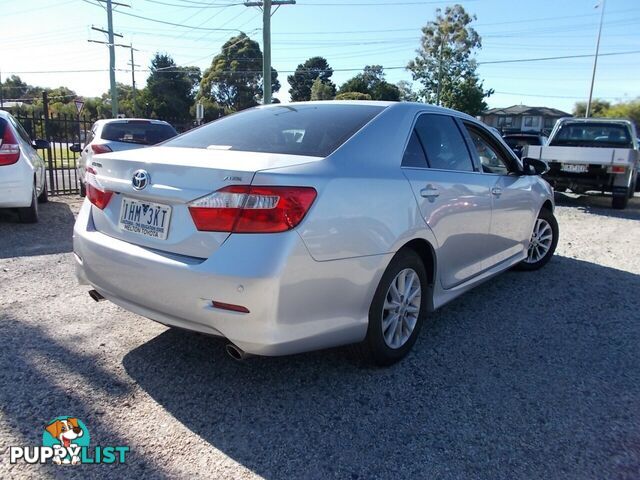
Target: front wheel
[397,311]
[544,240]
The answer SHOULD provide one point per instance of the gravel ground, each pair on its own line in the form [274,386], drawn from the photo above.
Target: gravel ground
[532,375]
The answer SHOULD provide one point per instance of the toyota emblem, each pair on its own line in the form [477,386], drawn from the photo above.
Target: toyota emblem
[140,179]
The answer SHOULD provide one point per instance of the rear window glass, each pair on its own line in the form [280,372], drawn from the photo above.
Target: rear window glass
[592,134]
[514,142]
[142,133]
[313,130]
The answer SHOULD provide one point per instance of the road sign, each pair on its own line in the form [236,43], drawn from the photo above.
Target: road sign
[79,104]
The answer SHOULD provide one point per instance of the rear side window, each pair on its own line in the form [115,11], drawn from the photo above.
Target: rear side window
[313,130]
[142,133]
[443,143]
[21,131]
[414,154]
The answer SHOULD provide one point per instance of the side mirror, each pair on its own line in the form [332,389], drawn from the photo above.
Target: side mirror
[40,144]
[75,148]
[534,166]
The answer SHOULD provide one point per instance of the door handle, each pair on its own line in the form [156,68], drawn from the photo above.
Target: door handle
[430,192]
[497,191]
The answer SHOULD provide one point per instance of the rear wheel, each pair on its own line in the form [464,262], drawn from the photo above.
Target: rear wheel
[44,195]
[397,311]
[544,240]
[620,201]
[30,214]
[83,190]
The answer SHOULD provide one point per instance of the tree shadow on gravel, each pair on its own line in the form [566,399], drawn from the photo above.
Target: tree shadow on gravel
[599,204]
[531,375]
[52,234]
[30,397]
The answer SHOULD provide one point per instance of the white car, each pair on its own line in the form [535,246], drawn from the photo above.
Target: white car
[22,171]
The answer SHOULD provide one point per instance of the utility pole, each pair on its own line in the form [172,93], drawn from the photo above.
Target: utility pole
[133,81]
[266,5]
[595,61]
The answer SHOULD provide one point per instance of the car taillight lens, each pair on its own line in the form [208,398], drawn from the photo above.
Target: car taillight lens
[97,148]
[98,196]
[252,209]
[9,149]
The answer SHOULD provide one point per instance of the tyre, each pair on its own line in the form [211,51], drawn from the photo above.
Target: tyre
[30,214]
[620,202]
[544,240]
[397,311]
[44,195]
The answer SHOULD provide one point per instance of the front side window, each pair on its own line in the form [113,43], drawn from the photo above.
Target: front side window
[443,143]
[491,158]
[313,130]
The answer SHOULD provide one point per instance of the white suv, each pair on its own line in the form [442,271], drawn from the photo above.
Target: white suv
[22,171]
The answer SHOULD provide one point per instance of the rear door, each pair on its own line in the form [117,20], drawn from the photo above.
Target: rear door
[512,196]
[454,197]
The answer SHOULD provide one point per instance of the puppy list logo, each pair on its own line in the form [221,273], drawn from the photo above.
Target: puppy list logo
[65,441]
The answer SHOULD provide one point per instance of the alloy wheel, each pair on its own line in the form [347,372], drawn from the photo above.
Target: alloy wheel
[541,241]
[401,308]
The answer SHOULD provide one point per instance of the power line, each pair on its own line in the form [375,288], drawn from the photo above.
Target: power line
[199,5]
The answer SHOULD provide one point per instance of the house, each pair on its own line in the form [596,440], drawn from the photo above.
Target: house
[521,118]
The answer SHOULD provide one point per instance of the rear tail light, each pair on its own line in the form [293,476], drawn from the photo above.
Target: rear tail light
[9,148]
[97,148]
[252,209]
[618,169]
[97,195]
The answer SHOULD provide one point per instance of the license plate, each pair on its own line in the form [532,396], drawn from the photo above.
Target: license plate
[574,167]
[145,218]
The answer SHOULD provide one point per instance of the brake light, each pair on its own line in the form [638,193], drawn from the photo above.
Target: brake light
[98,148]
[618,169]
[100,198]
[252,209]
[9,148]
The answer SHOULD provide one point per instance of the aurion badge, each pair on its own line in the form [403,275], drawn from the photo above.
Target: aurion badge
[140,179]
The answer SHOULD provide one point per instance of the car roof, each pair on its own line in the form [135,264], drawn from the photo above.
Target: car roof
[409,107]
[595,120]
[105,121]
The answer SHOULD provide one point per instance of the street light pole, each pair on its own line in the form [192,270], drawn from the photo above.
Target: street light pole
[595,62]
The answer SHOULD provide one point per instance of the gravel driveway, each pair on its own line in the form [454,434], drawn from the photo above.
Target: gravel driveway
[532,375]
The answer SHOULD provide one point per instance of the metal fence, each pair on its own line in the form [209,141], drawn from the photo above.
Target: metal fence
[61,131]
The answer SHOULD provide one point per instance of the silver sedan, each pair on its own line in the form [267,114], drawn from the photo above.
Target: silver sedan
[289,228]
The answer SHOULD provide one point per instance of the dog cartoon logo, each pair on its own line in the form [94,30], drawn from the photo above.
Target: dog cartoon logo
[70,434]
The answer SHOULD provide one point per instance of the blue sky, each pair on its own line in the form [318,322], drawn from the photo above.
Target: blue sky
[51,36]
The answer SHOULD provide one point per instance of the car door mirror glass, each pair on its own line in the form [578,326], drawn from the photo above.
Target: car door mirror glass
[534,166]
[40,144]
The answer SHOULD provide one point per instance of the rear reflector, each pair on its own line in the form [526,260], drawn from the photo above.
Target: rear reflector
[618,169]
[252,209]
[98,149]
[9,148]
[230,306]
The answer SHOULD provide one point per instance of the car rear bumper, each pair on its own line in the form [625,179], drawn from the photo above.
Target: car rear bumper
[296,304]
[16,185]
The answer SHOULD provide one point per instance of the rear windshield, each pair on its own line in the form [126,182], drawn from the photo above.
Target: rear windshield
[142,133]
[313,130]
[592,134]
[515,142]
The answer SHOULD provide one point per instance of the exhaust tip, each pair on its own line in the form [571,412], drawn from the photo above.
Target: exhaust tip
[96,295]
[235,352]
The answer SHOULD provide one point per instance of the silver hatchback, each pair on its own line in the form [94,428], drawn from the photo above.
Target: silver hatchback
[116,135]
[288,228]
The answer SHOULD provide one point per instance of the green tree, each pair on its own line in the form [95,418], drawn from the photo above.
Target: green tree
[306,74]
[406,91]
[629,110]
[444,64]
[353,96]
[234,79]
[14,87]
[322,91]
[170,89]
[372,82]
[598,108]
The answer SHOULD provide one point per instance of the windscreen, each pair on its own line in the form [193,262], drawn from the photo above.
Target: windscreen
[139,132]
[592,134]
[313,130]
